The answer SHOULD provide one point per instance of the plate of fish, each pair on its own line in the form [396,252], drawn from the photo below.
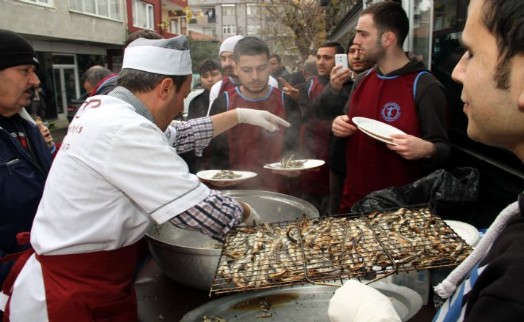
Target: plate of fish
[224,178]
[291,165]
[376,129]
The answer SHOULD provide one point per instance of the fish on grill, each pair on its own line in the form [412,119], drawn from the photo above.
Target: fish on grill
[330,248]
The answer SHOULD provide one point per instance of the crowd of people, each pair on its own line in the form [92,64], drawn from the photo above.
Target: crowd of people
[125,163]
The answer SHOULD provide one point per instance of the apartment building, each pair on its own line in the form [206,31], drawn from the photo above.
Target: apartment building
[70,36]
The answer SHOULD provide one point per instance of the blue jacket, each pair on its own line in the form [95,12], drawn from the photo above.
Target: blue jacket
[22,182]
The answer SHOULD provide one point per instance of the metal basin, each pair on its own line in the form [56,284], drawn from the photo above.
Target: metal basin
[191,258]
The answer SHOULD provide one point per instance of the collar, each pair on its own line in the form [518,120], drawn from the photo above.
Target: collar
[127,96]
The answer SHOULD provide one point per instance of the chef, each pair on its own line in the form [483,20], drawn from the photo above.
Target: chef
[118,170]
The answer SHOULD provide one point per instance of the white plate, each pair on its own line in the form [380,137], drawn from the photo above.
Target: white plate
[207,176]
[469,233]
[377,128]
[378,137]
[308,164]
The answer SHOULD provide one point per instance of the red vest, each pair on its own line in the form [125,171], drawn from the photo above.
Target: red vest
[314,144]
[370,164]
[226,85]
[251,147]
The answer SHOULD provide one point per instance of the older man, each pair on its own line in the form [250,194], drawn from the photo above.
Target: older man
[487,286]
[25,158]
[116,173]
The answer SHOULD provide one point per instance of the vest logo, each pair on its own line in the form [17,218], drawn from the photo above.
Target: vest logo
[390,112]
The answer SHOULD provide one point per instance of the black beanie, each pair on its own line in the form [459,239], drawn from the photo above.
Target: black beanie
[15,50]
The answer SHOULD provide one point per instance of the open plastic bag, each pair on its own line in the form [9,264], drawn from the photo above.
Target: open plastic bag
[450,195]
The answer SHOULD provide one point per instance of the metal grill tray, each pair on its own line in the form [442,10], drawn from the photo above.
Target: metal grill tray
[328,249]
[295,303]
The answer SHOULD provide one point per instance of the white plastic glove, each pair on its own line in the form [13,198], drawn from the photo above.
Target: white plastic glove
[253,217]
[263,119]
[356,302]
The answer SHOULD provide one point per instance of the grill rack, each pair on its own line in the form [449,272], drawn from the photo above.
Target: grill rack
[329,249]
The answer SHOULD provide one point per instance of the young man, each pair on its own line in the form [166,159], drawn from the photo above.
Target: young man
[487,286]
[210,74]
[230,79]
[322,98]
[398,92]
[25,158]
[245,148]
[277,69]
[337,158]
[116,173]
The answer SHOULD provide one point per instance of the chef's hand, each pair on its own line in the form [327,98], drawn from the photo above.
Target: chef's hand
[251,217]
[263,119]
[356,302]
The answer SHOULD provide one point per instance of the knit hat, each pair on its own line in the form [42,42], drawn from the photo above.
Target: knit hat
[15,50]
[229,44]
[160,56]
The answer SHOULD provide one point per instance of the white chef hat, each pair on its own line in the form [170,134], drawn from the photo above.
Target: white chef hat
[229,43]
[160,56]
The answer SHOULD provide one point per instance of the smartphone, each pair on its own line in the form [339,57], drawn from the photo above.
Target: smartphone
[341,59]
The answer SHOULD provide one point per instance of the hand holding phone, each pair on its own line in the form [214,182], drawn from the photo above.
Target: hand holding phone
[341,59]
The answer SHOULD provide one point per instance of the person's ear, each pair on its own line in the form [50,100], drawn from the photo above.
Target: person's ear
[388,38]
[519,72]
[164,87]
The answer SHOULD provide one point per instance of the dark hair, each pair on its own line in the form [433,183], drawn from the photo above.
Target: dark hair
[208,65]
[93,75]
[505,20]
[250,46]
[138,81]
[332,44]
[389,16]
[142,33]
[277,57]
[350,41]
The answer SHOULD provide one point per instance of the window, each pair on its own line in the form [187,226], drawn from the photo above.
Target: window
[252,10]
[210,14]
[228,10]
[229,30]
[47,3]
[104,8]
[143,15]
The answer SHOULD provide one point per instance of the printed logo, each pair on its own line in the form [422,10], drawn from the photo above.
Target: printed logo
[390,112]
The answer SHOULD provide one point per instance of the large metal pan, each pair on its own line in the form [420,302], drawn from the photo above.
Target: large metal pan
[191,258]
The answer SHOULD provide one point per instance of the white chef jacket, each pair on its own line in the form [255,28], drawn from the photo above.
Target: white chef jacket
[116,171]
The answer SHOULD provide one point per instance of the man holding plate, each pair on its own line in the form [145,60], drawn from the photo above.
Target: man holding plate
[400,93]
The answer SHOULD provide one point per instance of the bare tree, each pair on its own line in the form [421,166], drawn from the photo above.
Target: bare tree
[297,26]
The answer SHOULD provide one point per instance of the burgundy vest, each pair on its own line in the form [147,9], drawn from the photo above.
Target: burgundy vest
[370,164]
[226,85]
[314,144]
[251,147]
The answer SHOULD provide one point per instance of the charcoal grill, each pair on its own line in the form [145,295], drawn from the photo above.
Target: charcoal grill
[327,250]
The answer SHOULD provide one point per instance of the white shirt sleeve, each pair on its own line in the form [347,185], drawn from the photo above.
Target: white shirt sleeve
[213,94]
